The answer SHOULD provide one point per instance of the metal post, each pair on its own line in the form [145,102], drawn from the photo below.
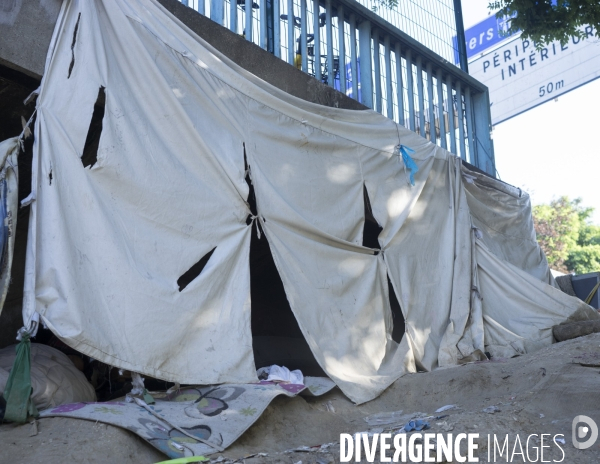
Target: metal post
[276,29]
[469,115]
[420,96]
[484,147]
[290,32]
[364,50]
[341,48]
[399,84]
[460,36]
[461,121]
[263,24]
[388,77]
[377,64]
[440,97]
[452,126]
[411,91]
[233,16]
[317,39]
[217,13]
[353,57]
[248,22]
[432,135]
[303,32]
[329,38]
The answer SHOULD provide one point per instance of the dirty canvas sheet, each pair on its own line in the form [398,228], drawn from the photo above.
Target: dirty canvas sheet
[121,212]
[216,414]
[494,207]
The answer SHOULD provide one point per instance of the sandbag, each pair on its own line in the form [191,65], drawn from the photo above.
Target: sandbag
[54,378]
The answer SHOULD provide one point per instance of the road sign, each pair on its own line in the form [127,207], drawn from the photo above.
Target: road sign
[486,34]
[520,77]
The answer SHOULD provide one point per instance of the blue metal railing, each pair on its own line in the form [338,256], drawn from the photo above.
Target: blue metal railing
[349,47]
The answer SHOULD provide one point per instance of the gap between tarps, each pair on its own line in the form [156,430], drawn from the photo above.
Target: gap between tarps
[371,231]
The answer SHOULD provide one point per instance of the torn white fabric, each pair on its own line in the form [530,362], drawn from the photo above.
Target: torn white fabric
[519,310]
[502,215]
[9,205]
[134,207]
[283,374]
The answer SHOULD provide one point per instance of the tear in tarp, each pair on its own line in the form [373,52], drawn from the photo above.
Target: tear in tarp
[108,243]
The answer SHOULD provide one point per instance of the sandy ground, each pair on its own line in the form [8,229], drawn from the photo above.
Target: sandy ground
[533,394]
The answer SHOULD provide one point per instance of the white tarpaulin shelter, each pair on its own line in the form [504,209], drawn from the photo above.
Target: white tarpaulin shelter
[109,239]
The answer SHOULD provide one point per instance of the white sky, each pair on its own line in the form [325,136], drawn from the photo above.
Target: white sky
[553,149]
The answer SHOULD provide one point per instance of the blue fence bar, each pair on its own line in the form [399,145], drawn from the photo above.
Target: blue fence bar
[377,65]
[440,106]
[372,61]
[388,76]
[469,121]
[420,96]
[399,84]
[452,112]
[411,93]
[461,121]
[431,106]
[291,20]
[341,48]
[364,50]
[217,13]
[353,57]
[233,8]
[303,35]
[329,41]
[317,40]
[277,29]
[263,24]
[248,18]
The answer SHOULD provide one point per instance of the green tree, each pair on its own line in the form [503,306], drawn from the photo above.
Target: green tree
[543,22]
[567,236]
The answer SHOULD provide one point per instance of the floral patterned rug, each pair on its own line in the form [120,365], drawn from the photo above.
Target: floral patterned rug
[193,420]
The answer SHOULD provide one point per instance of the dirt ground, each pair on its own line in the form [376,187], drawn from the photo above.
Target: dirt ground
[533,394]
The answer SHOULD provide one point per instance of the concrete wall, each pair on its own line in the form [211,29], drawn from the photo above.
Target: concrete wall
[26,28]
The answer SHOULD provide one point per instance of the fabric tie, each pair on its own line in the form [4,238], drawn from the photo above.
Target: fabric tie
[409,163]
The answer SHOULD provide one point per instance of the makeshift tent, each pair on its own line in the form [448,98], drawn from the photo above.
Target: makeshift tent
[140,227]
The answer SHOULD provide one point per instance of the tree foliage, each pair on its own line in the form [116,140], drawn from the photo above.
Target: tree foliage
[389,4]
[545,21]
[567,236]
